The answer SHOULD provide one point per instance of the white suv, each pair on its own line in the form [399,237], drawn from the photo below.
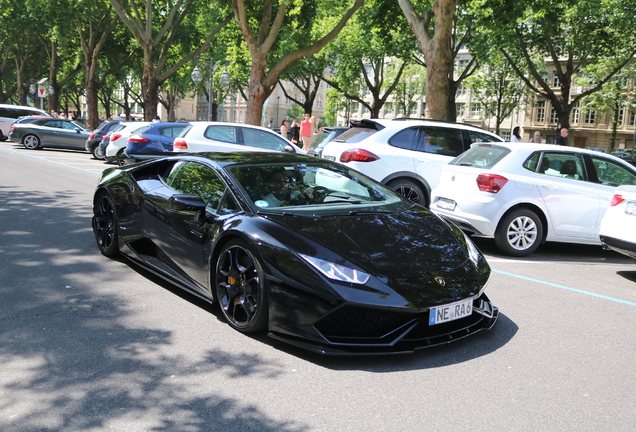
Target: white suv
[405,154]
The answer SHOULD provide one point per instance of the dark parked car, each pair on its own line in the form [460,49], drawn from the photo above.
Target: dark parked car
[281,242]
[326,134]
[49,132]
[92,143]
[154,138]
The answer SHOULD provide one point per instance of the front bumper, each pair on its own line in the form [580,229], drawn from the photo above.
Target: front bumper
[395,332]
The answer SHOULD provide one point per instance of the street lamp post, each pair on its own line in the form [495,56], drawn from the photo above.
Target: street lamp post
[197,77]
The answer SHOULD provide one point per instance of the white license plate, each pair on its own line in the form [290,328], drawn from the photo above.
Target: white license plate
[450,312]
[631,208]
[446,204]
[331,158]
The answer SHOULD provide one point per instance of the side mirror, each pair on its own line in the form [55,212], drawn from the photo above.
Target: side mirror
[289,149]
[189,203]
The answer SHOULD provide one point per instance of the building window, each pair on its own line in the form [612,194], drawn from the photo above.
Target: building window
[576,113]
[461,65]
[413,107]
[388,108]
[365,110]
[554,118]
[319,102]
[555,81]
[475,110]
[631,118]
[590,117]
[540,112]
[460,109]
[461,90]
[621,116]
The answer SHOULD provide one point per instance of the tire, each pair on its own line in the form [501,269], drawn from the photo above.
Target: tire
[240,288]
[97,153]
[105,225]
[31,142]
[409,190]
[519,233]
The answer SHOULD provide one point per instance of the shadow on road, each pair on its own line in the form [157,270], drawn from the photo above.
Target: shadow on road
[70,357]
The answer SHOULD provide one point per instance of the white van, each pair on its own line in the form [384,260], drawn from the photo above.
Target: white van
[10,113]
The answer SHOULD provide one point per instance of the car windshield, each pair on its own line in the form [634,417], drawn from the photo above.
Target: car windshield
[313,189]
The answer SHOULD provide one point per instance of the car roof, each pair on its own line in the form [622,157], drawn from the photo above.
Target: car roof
[217,123]
[225,159]
[532,147]
[401,123]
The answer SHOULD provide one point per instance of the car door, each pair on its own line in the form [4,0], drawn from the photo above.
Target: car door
[69,136]
[436,146]
[572,202]
[608,175]
[177,233]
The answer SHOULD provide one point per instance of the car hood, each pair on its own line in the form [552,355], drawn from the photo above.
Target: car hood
[405,244]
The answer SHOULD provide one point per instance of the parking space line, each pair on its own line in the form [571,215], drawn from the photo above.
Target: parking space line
[49,160]
[565,288]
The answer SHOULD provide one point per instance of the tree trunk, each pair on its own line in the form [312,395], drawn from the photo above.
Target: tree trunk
[257,93]
[150,87]
[439,63]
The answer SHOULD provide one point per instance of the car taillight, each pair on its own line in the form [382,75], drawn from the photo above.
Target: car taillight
[616,200]
[91,136]
[358,155]
[12,127]
[106,138]
[115,137]
[491,182]
[137,138]
[180,144]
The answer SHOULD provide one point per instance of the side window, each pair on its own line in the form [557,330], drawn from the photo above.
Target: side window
[564,165]
[532,162]
[54,124]
[228,204]
[67,125]
[171,131]
[612,174]
[481,137]
[191,178]
[262,139]
[442,141]
[406,139]
[221,133]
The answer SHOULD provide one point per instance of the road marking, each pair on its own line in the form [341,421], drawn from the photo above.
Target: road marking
[566,288]
[49,160]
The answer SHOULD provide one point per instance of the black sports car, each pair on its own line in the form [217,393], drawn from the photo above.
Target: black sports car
[317,254]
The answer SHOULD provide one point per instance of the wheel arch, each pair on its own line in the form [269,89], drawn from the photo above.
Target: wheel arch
[532,207]
[410,176]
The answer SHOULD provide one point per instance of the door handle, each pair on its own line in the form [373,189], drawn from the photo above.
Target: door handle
[549,187]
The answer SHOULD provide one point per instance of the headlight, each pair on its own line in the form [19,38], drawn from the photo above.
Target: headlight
[338,272]
[473,252]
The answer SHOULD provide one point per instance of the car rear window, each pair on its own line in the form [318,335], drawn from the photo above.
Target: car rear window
[481,156]
[355,135]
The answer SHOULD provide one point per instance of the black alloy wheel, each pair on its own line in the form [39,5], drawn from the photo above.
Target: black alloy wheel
[97,152]
[31,142]
[240,288]
[408,190]
[105,225]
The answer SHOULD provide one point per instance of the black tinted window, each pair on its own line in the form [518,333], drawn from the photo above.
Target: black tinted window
[440,140]
[355,135]
[191,178]
[406,139]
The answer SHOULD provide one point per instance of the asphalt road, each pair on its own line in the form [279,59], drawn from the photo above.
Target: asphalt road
[94,344]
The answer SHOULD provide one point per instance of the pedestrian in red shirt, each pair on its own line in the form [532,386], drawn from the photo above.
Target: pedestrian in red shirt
[305,132]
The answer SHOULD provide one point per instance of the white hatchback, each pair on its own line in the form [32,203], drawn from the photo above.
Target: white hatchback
[523,194]
[118,138]
[618,227]
[407,155]
[204,136]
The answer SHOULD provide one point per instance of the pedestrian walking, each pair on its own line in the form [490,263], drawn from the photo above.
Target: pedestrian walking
[516,134]
[284,129]
[562,139]
[294,133]
[305,131]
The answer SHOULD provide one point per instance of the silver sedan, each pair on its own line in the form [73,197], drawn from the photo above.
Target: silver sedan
[49,132]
